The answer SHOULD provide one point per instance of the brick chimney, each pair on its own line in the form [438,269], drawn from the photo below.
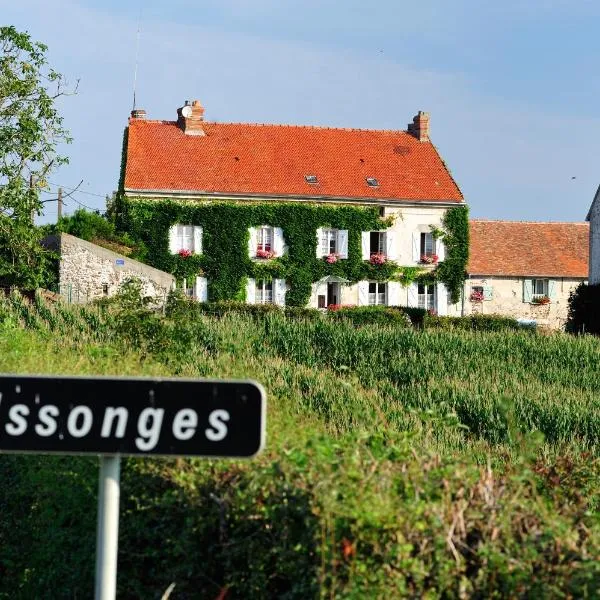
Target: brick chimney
[191,118]
[419,128]
[138,113]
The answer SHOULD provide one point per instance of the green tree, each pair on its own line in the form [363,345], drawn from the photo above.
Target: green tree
[30,131]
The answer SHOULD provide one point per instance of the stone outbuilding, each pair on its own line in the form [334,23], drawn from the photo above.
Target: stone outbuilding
[88,271]
[525,270]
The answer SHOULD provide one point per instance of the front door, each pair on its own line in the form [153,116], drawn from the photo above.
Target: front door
[333,293]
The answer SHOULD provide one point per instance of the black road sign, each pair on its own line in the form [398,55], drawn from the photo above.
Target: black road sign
[102,415]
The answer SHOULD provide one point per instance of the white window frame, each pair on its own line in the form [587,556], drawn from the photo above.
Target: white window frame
[540,288]
[379,296]
[427,240]
[186,237]
[381,245]
[265,238]
[264,292]
[329,241]
[426,297]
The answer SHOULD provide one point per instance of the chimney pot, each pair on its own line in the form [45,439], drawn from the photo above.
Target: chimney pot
[138,113]
[419,128]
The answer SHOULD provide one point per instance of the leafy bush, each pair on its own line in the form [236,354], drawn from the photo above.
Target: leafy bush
[471,323]
[370,315]
[584,310]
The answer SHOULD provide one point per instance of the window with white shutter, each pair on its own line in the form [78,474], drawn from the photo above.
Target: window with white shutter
[264,292]
[377,293]
[185,239]
[332,242]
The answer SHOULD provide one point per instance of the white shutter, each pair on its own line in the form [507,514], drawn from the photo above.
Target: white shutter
[363,293]
[278,241]
[552,289]
[252,243]
[441,299]
[201,291]
[413,295]
[342,238]
[440,249]
[279,291]
[197,239]
[250,291]
[320,243]
[416,239]
[173,249]
[365,241]
[390,245]
[393,293]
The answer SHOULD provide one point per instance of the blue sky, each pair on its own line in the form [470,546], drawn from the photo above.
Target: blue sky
[511,87]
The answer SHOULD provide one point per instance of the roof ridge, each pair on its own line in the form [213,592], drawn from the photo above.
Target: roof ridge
[282,125]
[477,220]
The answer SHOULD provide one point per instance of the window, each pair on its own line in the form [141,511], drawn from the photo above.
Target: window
[372,182]
[539,288]
[427,244]
[329,241]
[377,293]
[377,242]
[264,291]
[311,179]
[105,289]
[264,239]
[477,293]
[426,294]
[186,239]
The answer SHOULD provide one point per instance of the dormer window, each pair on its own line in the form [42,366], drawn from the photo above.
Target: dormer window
[311,179]
[372,182]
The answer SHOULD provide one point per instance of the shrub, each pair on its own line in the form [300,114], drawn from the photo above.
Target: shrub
[369,315]
[471,323]
[584,310]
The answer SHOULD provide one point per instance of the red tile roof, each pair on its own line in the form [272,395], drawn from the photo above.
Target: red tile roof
[529,249]
[273,160]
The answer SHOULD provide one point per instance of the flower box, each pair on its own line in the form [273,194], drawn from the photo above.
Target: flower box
[185,253]
[378,258]
[265,254]
[476,297]
[332,258]
[540,300]
[429,259]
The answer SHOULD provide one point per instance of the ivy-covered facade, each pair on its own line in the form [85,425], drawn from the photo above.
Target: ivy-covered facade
[298,249]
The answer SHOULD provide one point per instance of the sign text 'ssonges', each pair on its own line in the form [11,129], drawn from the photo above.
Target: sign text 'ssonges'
[131,416]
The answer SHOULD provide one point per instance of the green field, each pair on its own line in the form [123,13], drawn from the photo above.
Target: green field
[399,463]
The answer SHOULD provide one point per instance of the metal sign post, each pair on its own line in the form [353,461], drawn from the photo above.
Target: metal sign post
[107,536]
[111,417]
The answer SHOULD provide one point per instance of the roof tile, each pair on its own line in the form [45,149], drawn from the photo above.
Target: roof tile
[274,160]
[528,249]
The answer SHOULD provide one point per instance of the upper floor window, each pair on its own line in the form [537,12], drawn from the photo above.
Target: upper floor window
[332,243]
[264,238]
[266,241]
[185,239]
[377,242]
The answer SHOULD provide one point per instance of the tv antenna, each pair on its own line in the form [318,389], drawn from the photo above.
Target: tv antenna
[137,54]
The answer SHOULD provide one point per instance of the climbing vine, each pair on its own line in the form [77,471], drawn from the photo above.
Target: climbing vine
[225,261]
[452,271]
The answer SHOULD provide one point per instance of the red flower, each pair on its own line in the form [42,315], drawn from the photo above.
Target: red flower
[184,253]
[378,258]
[332,258]
[429,259]
[265,253]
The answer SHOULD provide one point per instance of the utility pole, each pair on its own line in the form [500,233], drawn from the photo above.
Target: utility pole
[59,205]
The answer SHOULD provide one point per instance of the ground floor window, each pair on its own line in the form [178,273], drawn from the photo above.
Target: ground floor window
[539,288]
[264,291]
[377,293]
[426,295]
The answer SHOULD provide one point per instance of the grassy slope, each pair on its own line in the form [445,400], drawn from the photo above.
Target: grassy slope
[370,486]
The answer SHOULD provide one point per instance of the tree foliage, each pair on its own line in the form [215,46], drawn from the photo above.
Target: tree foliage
[30,130]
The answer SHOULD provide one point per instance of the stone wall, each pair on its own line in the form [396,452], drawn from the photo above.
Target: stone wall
[88,271]
[507,299]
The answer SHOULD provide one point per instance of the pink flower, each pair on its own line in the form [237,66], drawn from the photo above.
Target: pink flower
[265,253]
[378,258]
[429,259]
[185,253]
[332,258]
[477,296]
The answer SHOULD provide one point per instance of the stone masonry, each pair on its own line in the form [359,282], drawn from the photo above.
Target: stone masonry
[88,271]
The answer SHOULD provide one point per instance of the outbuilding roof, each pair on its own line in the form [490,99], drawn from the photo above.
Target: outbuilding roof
[521,248]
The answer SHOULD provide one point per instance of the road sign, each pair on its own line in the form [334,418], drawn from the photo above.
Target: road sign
[102,415]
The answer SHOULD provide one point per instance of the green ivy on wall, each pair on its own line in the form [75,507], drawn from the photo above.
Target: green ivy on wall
[225,261]
[453,270]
